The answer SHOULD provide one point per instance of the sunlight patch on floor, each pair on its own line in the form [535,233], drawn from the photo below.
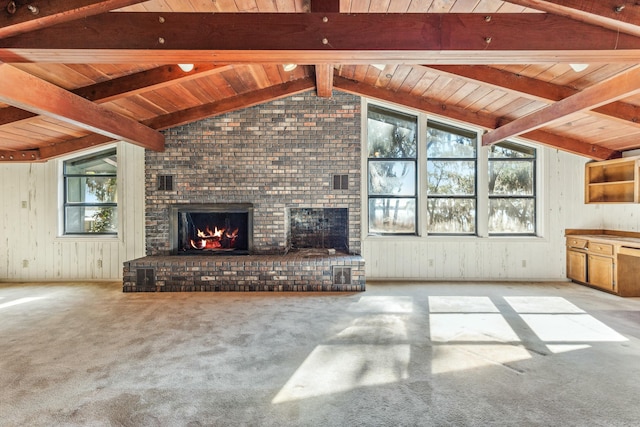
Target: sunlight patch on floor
[383,304]
[20,301]
[472,327]
[456,304]
[553,305]
[453,358]
[376,328]
[333,369]
[567,328]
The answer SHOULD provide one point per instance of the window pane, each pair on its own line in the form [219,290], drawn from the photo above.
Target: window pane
[91,219]
[445,143]
[391,134]
[392,216]
[91,189]
[511,178]
[452,215]
[392,178]
[451,177]
[512,216]
[103,162]
[511,150]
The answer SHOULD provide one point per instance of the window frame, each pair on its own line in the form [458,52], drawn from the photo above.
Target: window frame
[445,127]
[482,175]
[534,183]
[370,160]
[64,203]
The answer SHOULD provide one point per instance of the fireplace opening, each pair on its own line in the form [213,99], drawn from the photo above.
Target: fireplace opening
[211,229]
[319,228]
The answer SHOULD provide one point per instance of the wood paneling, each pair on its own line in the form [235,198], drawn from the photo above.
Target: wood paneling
[30,233]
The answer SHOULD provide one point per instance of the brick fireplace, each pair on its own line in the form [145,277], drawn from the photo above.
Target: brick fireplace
[292,165]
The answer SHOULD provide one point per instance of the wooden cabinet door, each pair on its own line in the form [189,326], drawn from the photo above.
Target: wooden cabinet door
[601,272]
[577,266]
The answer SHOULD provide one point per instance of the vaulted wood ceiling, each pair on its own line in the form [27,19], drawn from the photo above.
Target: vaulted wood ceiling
[81,73]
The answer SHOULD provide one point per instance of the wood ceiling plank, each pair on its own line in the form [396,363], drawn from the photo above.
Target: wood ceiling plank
[51,12]
[182,117]
[50,100]
[623,85]
[324,80]
[480,119]
[540,90]
[372,75]
[602,12]
[298,38]
[420,6]
[399,6]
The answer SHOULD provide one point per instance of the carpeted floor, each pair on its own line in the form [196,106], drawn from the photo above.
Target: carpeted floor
[505,354]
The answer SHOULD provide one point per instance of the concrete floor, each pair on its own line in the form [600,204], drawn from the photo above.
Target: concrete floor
[506,354]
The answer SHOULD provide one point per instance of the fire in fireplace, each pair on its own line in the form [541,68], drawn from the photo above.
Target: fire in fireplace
[211,229]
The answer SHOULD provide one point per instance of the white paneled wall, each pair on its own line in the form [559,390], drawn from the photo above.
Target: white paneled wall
[498,258]
[30,245]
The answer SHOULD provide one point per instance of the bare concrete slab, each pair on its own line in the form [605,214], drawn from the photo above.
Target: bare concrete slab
[441,354]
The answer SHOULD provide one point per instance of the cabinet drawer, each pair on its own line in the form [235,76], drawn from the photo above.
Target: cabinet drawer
[574,242]
[600,248]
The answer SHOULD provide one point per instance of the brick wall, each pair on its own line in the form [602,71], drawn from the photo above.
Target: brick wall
[277,156]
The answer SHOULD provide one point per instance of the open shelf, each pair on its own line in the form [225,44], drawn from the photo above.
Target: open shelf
[613,181]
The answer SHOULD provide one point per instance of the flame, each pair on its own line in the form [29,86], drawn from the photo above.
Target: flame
[213,239]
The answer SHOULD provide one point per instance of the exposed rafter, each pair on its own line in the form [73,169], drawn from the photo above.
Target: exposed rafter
[324,80]
[627,113]
[478,119]
[620,86]
[315,38]
[20,17]
[50,100]
[169,120]
[132,84]
[615,15]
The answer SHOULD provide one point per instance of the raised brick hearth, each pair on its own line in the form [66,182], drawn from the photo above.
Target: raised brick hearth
[296,163]
[297,271]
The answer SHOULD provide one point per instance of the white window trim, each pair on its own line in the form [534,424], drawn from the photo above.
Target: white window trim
[60,208]
[482,190]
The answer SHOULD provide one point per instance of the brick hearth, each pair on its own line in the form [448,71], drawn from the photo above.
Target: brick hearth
[298,271]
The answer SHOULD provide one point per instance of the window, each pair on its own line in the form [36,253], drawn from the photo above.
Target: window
[512,190]
[391,164]
[90,194]
[433,177]
[451,180]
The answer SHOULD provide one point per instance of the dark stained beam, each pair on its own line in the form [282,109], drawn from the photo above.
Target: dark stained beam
[503,80]
[620,86]
[615,15]
[325,6]
[124,86]
[480,119]
[50,100]
[20,156]
[22,17]
[315,38]
[182,117]
[324,80]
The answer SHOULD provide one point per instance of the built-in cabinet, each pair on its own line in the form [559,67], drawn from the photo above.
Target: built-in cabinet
[613,181]
[607,260]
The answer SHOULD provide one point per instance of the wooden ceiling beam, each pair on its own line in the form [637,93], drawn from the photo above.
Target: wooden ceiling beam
[324,80]
[315,38]
[479,119]
[47,99]
[182,117]
[20,156]
[18,17]
[124,86]
[543,91]
[622,85]
[611,14]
